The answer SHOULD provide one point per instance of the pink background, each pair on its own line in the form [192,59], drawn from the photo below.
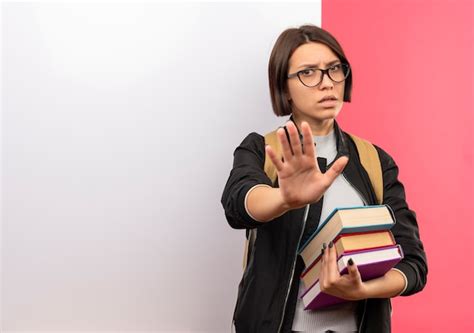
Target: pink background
[413,96]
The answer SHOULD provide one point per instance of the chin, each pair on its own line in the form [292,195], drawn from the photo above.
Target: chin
[320,114]
[327,113]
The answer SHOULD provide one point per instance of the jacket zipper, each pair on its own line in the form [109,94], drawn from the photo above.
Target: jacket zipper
[363,316]
[293,267]
[357,190]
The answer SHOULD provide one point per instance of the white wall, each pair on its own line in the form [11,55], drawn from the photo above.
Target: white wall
[118,127]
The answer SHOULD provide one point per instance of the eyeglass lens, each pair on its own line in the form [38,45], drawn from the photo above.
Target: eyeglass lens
[312,77]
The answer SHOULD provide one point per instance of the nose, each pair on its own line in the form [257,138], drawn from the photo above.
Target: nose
[326,82]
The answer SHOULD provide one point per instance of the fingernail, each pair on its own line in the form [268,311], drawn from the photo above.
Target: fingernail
[350,261]
[324,246]
[331,244]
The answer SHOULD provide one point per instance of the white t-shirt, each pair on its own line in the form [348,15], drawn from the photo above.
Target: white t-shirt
[341,317]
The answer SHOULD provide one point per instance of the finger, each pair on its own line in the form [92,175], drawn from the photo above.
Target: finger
[308,143]
[333,271]
[285,145]
[336,169]
[276,161]
[295,141]
[354,273]
[322,273]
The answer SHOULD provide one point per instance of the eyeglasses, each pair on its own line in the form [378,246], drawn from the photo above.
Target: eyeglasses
[311,77]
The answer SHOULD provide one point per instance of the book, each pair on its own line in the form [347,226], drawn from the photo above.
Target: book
[346,220]
[346,243]
[370,263]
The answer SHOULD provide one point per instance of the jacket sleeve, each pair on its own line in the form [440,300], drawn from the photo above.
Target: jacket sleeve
[247,171]
[405,230]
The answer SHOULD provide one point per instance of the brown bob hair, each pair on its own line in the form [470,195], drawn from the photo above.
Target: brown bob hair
[288,41]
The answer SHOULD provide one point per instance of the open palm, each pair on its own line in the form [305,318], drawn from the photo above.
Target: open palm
[300,179]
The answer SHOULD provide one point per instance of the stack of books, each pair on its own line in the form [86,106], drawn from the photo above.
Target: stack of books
[361,233]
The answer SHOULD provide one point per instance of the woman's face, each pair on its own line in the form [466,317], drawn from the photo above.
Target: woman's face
[305,101]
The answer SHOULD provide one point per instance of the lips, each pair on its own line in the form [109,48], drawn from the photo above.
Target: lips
[328,98]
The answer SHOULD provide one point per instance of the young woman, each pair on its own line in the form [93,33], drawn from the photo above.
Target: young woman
[310,79]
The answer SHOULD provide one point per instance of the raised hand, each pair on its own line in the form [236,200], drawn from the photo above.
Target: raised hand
[300,180]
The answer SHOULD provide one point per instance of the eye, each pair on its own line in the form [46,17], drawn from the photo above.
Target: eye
[307,72]
[335,68]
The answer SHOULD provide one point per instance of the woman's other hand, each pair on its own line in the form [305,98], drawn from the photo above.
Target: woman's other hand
[348,286]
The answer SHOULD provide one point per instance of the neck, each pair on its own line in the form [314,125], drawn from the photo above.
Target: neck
[318,127]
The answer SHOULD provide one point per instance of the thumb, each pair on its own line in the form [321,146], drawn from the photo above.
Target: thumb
[336,169]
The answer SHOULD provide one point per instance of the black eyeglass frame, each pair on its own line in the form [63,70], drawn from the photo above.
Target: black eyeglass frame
[346,70]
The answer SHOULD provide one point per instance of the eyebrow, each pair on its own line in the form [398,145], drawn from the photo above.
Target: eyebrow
[316,65]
